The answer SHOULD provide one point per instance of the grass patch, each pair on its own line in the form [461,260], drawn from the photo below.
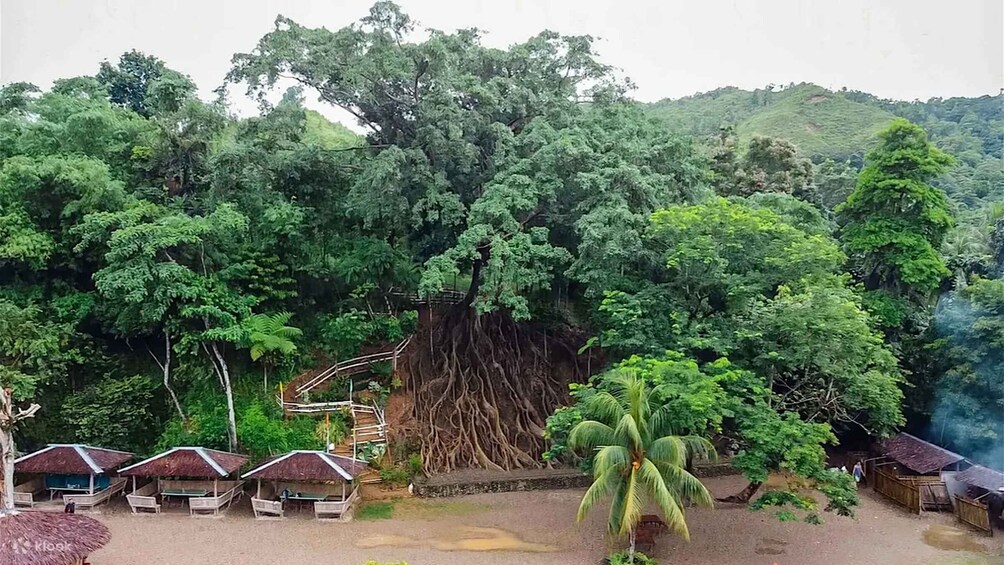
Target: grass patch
[377,510]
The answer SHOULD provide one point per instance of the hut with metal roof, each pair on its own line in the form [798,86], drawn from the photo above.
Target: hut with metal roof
[49,538]
[325,480]
[985,492]
[84,474]
[206,478]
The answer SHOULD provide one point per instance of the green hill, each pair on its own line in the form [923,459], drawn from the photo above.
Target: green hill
[819,122]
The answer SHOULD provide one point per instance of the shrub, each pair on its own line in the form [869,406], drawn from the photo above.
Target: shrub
[621,558]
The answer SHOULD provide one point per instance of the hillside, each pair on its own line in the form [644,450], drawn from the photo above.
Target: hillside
[824,123]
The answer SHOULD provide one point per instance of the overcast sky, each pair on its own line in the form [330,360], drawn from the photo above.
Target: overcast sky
[903,49]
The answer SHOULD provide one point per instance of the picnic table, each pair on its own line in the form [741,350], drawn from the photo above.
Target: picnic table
[183,493]
[303,497]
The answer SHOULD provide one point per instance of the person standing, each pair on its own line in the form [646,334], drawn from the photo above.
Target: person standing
[858,472]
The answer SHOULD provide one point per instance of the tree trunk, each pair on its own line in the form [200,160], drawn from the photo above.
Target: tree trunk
[631,547]
[264,368]
[8,421]
[7,450]
[744,496]
[224,372]
[165,367]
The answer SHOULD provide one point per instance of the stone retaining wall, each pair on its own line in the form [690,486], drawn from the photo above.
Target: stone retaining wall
[444,485]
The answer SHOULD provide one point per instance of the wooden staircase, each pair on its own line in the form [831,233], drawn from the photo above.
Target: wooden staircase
[367,428]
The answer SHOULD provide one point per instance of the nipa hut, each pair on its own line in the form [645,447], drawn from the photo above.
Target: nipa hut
[83,474]
[206,478]
[985,486]
[49,538]
[325,480]
[915,473]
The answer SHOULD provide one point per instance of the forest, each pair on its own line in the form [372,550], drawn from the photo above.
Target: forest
[166,265]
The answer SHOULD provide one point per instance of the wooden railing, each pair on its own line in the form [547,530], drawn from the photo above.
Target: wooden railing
[335,509]
[214,503]
[354,366]
[902,493]
[973,513]
[266,508]
[91,500]
[441,297]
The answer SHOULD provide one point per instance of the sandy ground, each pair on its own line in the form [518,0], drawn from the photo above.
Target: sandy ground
[539,527]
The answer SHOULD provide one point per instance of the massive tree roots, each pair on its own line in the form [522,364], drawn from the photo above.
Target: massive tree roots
[483,387]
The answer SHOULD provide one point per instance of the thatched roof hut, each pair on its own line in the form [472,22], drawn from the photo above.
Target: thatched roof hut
[196,462]
[48,538]
[308,466]
[71,459]
[917,455]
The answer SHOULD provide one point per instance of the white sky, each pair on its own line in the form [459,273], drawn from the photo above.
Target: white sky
[903,49]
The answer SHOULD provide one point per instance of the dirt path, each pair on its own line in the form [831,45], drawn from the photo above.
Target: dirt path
[538,527]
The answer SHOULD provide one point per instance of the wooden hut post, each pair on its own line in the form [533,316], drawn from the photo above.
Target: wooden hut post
[134,484]
[91,487]
[343,491]
[215,482]
[258,494]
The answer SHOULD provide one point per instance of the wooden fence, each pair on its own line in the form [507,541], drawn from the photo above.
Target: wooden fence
[903,493]
[973,513]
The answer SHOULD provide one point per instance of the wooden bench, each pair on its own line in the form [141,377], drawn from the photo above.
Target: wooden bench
[324,510]
[92,500]
[267,508]
[24,493]
[144,499]
[214,503]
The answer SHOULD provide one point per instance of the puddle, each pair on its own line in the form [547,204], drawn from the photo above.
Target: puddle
[380,540]
[465,539]
[489,539]
[951,539]
[770,546]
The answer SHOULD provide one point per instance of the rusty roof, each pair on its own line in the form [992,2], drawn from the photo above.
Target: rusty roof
[308,466]
[918,455]
[48,538]
[72,459]
[982,477]
[196,462]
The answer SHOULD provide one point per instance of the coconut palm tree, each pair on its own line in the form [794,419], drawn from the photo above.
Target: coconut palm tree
[267,335]
[638,459]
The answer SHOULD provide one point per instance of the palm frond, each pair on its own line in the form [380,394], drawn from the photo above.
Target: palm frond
[602,485]
[667,501]
[627,433]
[589,434]
[670,450]
[685,485]
[614,457]
[604,407]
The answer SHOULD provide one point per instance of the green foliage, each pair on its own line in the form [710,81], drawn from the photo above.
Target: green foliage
[113,413]
[639,458]
[816,120]
[894,222]
[264,434]
[627,558]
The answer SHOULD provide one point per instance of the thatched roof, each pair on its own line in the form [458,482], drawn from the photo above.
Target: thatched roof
[982,477]
[308,466]
[71,459]
[48,538]
[195,462]
[918,455]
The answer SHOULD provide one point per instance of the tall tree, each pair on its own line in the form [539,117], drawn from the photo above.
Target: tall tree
[894,221]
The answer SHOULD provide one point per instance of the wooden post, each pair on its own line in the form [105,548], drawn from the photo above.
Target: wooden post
[343,491]
[91,491]
[215,482]
[258,494]
[134,484]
